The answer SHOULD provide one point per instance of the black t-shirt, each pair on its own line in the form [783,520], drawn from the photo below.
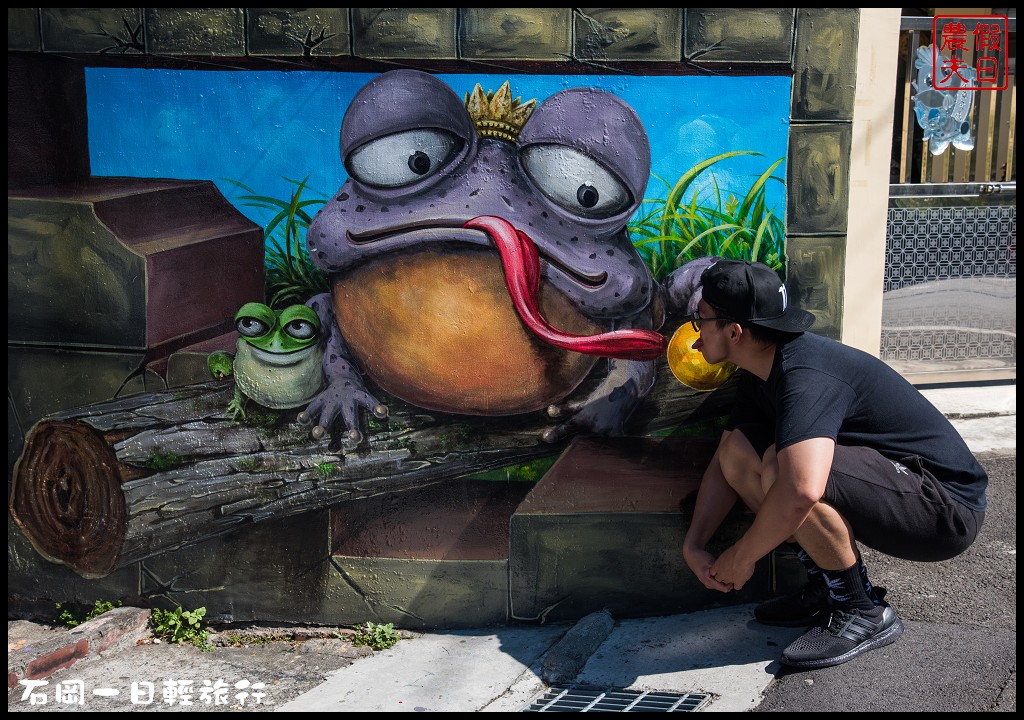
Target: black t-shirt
[821,388]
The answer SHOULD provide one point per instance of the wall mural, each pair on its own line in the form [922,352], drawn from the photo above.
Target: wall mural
[707,182]
[491,267]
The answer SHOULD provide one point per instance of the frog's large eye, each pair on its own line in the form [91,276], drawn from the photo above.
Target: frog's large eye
[300,322]
[575,181]
[403,158]
[300,329]
[254,319]
[251,327]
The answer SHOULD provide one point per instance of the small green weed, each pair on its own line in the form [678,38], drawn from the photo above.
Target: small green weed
[261,418]
[378,637]
[180,625]
[248,639]
[247,464]
[326,469]
[164,461]
[531,471]
[67,618]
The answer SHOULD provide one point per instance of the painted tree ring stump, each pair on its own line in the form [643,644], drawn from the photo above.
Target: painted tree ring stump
[67,497]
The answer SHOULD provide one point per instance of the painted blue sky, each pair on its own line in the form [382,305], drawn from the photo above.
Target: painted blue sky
[256,127]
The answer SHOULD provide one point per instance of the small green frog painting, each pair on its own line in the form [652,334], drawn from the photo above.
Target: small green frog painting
[277,361]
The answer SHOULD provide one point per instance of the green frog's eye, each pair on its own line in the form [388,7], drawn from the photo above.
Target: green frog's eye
[300,322]
[300,329]
[403,158]
[254,320]
[251,327]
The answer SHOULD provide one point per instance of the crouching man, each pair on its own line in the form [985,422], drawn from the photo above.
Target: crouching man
[829,447]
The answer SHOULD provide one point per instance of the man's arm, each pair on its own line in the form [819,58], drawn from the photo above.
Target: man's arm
[714,501]
[802,476]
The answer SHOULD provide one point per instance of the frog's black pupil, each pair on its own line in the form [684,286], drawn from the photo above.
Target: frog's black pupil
[587,195]
[419,162]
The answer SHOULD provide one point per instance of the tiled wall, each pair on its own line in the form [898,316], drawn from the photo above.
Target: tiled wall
[818,46]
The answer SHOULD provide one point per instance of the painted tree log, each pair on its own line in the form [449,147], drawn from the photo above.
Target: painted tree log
[106,485]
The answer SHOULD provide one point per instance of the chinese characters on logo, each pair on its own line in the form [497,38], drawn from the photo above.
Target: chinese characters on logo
[953,66]
[180,692]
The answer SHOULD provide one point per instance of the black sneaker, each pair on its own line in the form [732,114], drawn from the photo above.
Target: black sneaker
[807,606]
[846,634]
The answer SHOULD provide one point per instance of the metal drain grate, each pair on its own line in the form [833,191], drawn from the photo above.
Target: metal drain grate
[570,698]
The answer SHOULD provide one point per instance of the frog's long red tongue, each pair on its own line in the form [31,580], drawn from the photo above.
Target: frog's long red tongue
[522,275]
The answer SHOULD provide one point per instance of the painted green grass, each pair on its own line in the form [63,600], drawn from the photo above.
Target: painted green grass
[290,277]
[670,232]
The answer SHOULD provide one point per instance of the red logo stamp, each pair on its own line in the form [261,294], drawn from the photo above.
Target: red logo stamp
[969,52]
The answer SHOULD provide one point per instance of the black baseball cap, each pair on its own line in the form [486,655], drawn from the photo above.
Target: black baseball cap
[751,292]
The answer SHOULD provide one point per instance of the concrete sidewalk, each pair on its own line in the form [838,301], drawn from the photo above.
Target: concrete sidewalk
[719,659]
[720,653]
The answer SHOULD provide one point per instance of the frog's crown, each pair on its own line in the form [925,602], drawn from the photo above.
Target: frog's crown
[496,114]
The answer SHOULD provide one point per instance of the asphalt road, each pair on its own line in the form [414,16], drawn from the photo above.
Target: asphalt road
[959,650]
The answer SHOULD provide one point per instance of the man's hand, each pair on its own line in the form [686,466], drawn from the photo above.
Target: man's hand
[700,562]
[730,570]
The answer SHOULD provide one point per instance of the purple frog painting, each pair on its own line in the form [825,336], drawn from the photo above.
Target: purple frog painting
[479,262]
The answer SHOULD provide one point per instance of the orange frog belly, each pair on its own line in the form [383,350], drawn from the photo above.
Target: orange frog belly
[438,329]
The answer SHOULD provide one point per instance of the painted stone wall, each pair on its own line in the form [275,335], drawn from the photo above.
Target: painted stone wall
[439,512]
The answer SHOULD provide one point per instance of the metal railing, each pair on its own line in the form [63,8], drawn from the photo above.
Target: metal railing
[992,116]
[949,303]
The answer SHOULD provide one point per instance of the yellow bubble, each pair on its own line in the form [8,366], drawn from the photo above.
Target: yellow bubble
[689,365]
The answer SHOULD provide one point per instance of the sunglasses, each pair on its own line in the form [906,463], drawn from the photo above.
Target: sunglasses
[697,321]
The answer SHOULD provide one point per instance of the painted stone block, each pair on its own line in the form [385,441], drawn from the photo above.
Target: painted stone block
[404,33]
[45,380]
[604,529]
[128,263]
[516,33]
[195,31]
[23,29]
[275,571]
[825,63]
[418,594]
[47,132]
[818,177]
[715,35]
[116,31]
[628,33]
[814,275]
[298,31]
[427,558]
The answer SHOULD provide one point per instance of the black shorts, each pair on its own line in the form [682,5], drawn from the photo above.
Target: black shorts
[895,507]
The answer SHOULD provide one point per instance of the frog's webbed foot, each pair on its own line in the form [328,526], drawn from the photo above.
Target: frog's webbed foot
[605,410]
[236,408]
[581,417]
[341,402]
